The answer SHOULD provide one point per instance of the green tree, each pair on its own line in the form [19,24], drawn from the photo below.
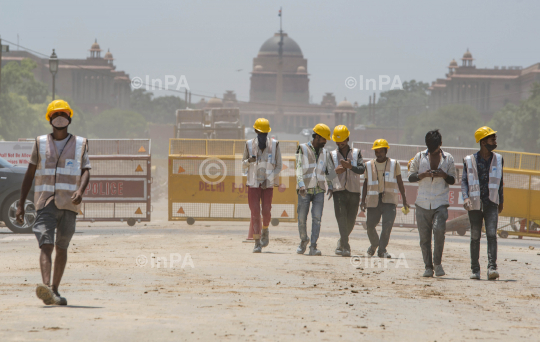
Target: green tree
[118,124]
[159,110]
[518,127]
[394,107]
[18,78]
[457,124]
[19,118]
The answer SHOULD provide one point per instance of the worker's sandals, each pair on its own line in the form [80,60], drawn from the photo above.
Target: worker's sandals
[492,274]
[258,247]
[46,294]
[265,238]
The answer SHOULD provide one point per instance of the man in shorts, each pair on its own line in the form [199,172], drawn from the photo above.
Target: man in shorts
[60,167]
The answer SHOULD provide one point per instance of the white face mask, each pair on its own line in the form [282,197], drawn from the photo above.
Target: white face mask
[60,122]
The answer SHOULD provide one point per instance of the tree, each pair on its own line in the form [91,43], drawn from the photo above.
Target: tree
[395,106]
[519,126]
[156,110]
[457,124]
[19,118]
[118,124]
[19,78]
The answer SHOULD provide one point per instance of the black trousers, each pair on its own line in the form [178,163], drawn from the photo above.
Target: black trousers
[346,207]
[489,213]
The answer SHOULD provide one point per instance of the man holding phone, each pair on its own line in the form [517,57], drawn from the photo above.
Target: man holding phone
[434,170]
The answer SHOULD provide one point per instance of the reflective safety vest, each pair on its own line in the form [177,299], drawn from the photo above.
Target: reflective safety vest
[58,175]
[495,175]
[390,184]
[263,168]
[313,170]
[349,180]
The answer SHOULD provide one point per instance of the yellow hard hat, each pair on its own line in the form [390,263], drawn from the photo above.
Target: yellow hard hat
[262,125]
[341,133]
[322,130]
[380,143]
[483,132]
[58,106]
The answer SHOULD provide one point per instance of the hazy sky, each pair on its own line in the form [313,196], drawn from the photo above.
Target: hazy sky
[208,41]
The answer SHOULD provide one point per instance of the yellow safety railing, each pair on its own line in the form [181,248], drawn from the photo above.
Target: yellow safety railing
[206,182]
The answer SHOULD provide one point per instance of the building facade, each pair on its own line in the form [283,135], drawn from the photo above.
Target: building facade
[92,84]
[487,90]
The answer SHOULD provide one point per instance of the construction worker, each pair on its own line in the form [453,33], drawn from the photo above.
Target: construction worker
[434,170]
[349,165]
[262,163]
[313,168]
[482,189]
[380,196]
[60,166]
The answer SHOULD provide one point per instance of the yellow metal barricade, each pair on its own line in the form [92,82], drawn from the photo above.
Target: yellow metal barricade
[206,182]
[521,214]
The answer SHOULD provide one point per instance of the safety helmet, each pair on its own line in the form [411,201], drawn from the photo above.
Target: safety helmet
[322,130]
[58,106]
[262,125]
[483,132]
[341,133]
[380,143]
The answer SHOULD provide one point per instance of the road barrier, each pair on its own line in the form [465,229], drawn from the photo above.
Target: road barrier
[521,214]
[206,182]
[120,180]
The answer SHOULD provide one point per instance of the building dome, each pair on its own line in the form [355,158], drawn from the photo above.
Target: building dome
[345,104]
[453,64]
[95,46]
[258,68]
[301,70]
[467,55]
[108,56]
[271,47]
[214,102]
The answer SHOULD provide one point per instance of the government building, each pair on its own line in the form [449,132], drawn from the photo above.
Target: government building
[92,84]
[487,90]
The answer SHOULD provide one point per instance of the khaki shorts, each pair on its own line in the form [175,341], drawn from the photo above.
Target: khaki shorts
[50,219]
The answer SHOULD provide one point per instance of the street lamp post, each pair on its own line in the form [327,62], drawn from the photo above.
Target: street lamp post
[53,68]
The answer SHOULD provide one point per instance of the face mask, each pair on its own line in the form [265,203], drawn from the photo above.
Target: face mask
[60,122]
[491,147]
[262,140]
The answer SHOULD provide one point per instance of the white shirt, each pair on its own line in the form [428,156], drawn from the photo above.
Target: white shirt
[432,192]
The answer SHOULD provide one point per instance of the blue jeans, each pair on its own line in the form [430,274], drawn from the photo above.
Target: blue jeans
[316,214]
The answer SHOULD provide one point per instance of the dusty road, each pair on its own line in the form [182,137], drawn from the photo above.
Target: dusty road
[219,290]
